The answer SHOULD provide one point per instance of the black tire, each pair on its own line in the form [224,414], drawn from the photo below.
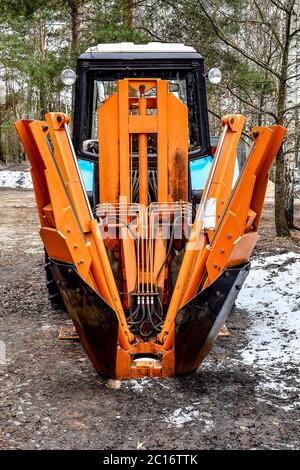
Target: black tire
[54,296]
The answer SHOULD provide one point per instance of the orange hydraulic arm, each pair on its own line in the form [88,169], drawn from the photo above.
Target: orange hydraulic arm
[68,229]
[217,191]
[218,187]
[235,235]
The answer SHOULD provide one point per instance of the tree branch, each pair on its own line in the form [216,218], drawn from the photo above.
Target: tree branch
[153,35]
[297,31]
[268,24]
[295,106]
[293,76]
[279,5]
[220,33]
[248,103]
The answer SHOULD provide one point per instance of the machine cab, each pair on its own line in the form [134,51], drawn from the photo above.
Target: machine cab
[98,71]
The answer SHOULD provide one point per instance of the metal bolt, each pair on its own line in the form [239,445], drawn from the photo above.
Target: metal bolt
[255,134]
[229,235]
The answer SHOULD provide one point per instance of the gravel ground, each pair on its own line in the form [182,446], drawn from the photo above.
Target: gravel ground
[244,396]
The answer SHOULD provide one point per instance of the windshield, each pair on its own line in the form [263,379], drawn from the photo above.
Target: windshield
[103,84]
[102,89]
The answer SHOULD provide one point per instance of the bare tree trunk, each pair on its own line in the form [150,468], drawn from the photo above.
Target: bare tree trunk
[2,156]
[297,138]
[261,106]
[75,36]
[282,229]
[43,92]
[289,190]
[128,14]
[282,196]
[74,9]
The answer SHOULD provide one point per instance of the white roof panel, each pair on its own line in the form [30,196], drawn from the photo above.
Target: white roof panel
[150,47]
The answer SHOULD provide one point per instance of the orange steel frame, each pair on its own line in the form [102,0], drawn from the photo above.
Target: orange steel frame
[70,232]
[130,111]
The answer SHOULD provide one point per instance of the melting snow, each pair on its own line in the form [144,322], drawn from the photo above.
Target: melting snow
[189,414]
[15,179]
[139,385]
[181,416]
[271,297]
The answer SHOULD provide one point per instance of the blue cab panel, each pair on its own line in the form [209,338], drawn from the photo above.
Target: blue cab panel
[199,170]
[87,172]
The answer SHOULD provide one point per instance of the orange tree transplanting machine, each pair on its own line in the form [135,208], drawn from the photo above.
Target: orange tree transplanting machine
[147,232]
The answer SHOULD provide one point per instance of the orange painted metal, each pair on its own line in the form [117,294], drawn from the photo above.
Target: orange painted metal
[170,123]
[194,261]
[242,249]
[159,255]
[162,143]
[177,150]
[65,216]
[67,220]
[125,180]
[124,334]
[234,220]
[231,226]
[109,167]
[68,167]
[71,233]
[143,157]
[221,186]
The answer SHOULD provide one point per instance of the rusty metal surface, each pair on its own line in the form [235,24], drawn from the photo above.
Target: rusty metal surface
[224,331]
[96,323]
[68,333]
[198,323]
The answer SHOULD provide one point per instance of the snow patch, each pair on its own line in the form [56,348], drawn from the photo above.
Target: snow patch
[190,415]
[15,179]
[139,385]
[271,297]
[2,353]
[181,416]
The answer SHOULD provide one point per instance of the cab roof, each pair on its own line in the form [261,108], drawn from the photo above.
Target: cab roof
[129,50]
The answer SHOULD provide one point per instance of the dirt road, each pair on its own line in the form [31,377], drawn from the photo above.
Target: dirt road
[244,396]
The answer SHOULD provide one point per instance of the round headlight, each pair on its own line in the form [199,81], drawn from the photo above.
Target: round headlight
[214,76]
[68,77]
